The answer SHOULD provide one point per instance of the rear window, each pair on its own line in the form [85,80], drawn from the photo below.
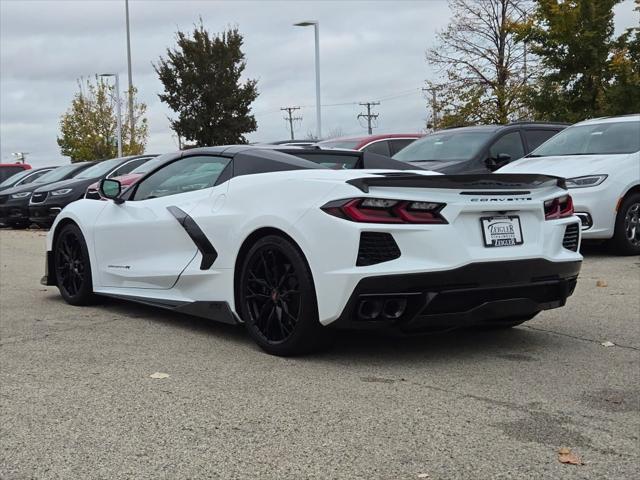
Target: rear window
[329,160]
[348,144]
[445,146]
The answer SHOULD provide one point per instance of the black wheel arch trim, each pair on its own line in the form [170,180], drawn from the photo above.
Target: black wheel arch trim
[209,253]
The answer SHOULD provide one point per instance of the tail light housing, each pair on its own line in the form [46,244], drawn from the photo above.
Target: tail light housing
[385,210]
[560,207]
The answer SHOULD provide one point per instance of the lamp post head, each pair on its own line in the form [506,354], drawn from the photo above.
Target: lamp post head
[306,23]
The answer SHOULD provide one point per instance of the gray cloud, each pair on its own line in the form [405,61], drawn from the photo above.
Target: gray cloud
[370,50]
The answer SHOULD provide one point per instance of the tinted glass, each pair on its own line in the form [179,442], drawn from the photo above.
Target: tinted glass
[33,178]
[444,147]
[336,162]
[100,169]
[60,173]
[181,176]
[7,172]
[599,139]
[127,167]
[509,144]
[348,144]
[535,138]
[13,179]
[146,167]
[398,144]
[381,148]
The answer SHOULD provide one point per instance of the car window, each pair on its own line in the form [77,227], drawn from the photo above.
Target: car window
[444,146]
[330,160]
[13,179]
[99,169]
[184,175]
[62,172]
[535,138]
[127,167]
[399,143]
[33,177]
[381,148]
[509,144]
[594,139]
[7,172]
[348,144]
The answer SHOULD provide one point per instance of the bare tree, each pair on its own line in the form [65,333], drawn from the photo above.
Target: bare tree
[484,68]
[336,132]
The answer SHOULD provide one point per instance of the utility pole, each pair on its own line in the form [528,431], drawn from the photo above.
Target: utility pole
[291,118]
[369,116]
[434,107]
[131,119]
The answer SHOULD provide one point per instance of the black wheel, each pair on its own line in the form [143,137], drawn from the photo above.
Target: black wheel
[277,299]
[626,237]
[72,266]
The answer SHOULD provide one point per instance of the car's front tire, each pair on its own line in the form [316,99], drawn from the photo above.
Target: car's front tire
[626,238]
[72,266]
[277,299]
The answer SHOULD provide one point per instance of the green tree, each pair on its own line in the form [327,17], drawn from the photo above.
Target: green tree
[88,128]
[587,72]
[484,68]
[202,84]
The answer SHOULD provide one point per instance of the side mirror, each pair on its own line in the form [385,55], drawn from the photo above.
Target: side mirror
[110,189]
[499,161]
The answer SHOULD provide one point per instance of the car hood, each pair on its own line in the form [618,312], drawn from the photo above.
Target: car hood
[70,183]
[565,166]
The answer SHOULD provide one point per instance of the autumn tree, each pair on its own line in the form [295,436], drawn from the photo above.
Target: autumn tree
[587,72]
[483,66]
[202,84]
[88,129]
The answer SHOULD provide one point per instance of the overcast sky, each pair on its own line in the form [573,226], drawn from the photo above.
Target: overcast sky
[369,50]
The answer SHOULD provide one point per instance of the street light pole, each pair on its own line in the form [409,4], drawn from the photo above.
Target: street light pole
[118,113]
[131,119]
[316,27]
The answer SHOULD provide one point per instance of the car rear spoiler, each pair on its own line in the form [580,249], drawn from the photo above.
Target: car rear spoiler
[488,181]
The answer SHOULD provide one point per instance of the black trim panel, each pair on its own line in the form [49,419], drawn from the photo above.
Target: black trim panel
[217,311]
[476,293]
[209,253]
[497,181]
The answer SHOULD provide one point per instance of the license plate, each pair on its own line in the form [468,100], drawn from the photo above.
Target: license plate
[502,231]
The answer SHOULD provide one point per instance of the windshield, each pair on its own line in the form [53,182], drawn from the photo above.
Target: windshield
[57,174]
[149,165]
[444,146]
[15,178]
[598,139]
[100,169]
[348,144]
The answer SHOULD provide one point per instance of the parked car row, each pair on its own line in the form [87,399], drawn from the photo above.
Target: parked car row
[600,158]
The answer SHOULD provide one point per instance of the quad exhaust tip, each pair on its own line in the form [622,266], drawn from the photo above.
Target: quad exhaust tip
[381,308]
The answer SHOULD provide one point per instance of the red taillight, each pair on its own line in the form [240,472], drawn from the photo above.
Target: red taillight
[560,207]
[384,210]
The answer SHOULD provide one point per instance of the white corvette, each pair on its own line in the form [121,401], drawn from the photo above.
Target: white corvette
[601,160]
[291,244]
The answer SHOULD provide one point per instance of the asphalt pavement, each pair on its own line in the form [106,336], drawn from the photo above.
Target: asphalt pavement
[78,401]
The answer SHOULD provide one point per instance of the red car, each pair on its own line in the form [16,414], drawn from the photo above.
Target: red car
[387,144]
[9,169]
[125,180]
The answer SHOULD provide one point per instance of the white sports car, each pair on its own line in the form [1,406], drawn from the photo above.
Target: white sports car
[601,160]
[292,243]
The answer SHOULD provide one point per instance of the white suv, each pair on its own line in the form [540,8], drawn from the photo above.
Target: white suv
[600,159]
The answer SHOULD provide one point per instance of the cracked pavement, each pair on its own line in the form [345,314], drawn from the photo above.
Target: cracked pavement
[77,400]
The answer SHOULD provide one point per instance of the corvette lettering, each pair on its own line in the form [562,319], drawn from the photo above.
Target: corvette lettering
[507,199]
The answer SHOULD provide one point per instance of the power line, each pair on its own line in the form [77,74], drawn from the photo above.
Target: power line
[291,118]
[369,116]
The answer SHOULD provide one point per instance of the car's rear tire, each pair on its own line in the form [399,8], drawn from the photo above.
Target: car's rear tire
[277,299]
[626,237]
[72,266]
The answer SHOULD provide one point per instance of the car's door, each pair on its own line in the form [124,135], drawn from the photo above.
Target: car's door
[143,242]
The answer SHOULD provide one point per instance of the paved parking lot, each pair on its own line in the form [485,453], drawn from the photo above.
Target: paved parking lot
[77,400]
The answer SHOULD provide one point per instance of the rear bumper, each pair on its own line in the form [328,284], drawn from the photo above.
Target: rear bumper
[475,294]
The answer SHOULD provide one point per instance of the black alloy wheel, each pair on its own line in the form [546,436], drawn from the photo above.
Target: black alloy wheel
[277,298]
[72,266]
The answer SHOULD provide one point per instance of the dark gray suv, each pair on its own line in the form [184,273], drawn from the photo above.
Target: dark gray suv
[477,149]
